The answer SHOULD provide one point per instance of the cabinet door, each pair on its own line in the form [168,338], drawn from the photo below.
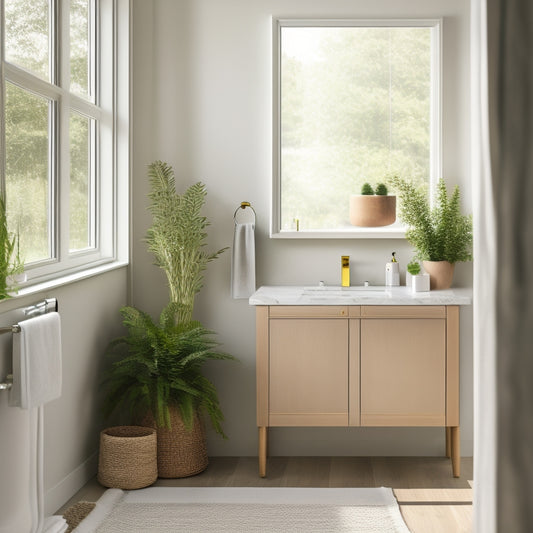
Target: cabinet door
[403,372]
[308,372]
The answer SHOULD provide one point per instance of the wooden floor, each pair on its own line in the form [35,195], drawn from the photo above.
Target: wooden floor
[431,500]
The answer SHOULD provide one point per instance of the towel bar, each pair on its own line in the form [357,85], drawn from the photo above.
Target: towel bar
[15,328]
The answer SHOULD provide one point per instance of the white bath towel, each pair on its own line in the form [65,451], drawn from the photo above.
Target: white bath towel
[243,261]
[37,379]
[37,361]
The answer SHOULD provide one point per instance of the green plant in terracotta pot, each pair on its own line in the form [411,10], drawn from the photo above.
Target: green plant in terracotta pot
[441,234]
[373,207]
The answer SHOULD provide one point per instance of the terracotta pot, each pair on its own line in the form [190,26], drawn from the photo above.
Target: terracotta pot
[440,274]
[372,210]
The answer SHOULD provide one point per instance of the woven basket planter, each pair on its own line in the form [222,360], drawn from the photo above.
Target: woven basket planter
[180,452]
[128,457]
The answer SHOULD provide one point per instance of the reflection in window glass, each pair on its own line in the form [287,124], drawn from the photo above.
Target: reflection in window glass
[27,35]
[81,183]
[27,171]
[355,106]
[80,47]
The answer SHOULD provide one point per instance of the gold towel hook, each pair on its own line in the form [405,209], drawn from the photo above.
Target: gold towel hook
[243,205]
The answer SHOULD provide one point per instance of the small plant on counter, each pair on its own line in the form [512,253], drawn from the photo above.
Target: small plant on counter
[381,189]
[413,267]
[367,189]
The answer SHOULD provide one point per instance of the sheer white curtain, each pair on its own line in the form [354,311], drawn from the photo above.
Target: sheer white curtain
[502,107]
[485,254]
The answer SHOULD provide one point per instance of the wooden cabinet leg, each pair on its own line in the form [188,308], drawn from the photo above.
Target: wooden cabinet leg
[263,438]
[455,451]
[448,442]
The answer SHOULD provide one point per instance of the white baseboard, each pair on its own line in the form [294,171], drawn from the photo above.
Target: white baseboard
[58,495]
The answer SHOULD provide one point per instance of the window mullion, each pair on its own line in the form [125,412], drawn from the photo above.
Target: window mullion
[62,179]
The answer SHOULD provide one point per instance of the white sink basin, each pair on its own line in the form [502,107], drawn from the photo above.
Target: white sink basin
[332,291]
[338,288]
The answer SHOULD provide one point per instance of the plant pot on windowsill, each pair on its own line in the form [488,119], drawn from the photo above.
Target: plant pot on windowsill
[372,209]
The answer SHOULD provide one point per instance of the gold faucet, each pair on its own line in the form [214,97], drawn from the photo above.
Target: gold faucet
[345,270]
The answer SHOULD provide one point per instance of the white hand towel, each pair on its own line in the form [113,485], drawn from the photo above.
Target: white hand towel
[37,361]
[243,261]
[37,379]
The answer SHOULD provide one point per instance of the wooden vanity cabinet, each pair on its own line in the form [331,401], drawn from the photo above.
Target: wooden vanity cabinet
[358,366]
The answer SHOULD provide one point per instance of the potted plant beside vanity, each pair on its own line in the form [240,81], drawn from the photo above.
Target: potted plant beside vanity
[441,235]
[157,369]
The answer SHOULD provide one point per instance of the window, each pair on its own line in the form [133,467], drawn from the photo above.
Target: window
[65,121]
[355,102]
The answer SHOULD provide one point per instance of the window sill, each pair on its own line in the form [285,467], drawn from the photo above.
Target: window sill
[351,233]
[61,281]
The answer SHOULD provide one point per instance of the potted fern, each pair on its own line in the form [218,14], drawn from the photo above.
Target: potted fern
[157,372]
[157,376]
[441,235]
[372,208]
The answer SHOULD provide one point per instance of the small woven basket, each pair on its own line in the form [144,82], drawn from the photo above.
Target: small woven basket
[128,457]
[180,452]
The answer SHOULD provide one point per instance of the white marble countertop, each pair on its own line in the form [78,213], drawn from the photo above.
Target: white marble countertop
[373,295]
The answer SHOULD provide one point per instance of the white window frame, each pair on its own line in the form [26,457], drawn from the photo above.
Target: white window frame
[436,124]
[111,108]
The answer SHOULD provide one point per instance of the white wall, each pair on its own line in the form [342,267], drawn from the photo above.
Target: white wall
[89,320]
[202,96]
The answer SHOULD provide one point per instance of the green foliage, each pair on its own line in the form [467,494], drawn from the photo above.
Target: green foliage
[367,190]
[10,261]
[381,189]
[439,233]
[27,162]
[160,364]
[177,236]
[413,267]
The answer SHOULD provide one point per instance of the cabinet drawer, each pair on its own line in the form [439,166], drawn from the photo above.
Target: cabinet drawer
[308,311]
[403,311]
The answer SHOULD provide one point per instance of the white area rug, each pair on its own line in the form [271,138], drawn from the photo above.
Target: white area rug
[250,509]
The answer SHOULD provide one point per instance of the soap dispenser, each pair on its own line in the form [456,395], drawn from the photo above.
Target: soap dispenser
[392,272]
